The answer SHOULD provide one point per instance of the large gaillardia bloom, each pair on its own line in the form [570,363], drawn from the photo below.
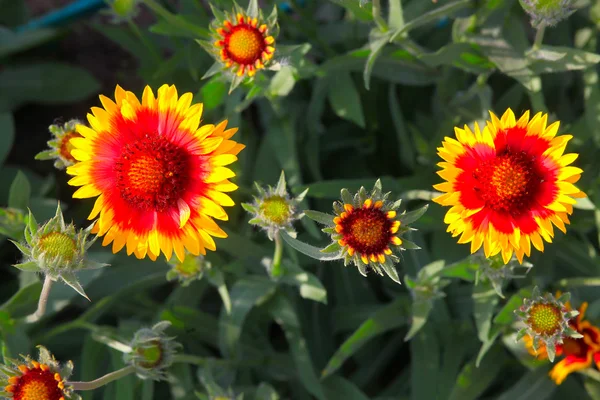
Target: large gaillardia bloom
[577,354]
[159,176]
[43,379]
[508,184]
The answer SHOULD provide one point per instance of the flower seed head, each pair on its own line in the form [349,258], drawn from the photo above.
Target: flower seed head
[56,249]
[274,209]
[152,352]
[547,12]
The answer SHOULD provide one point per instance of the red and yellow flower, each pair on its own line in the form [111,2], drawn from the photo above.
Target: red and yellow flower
[60,145]
[244,45]
[508,184]
[578,354]
[37,380]
[158,175]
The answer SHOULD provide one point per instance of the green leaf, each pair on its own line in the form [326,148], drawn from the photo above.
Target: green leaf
[71,279]
[484,304]
[473,381]
[535,384]
[376,44]
[411,216]
[385,319]
[405,146]
[560,59]
[266,392]
[217,279]
[320,217]
[395,15]
[45,83]
[20,192]
[462,55]
[506,316]
[361,12]
[282,82]
[245,294]
[311,251]
[340,388]
[285,315]
[344,98]
[425,365]
[7,135]
[419,314]
[24,302]
[309,285]
[213,93]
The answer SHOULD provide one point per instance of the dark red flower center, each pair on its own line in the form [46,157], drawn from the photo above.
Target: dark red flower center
[507,182]
[244,44]
[367,230]
[37,384]
[65,146]
[152,173]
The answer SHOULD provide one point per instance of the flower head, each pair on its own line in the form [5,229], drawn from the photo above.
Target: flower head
[243,41]
[41,379]
[12,222]
[274,209]
[152,352]
[122,10]
[159,176]
[367,230]
[192,268]
[57,250]
[546,320]
[577,354]
[60,145]
[548,12]
[508,184]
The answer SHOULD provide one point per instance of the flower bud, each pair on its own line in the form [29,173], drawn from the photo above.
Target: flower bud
[547,12]
[192,268]
[60,145]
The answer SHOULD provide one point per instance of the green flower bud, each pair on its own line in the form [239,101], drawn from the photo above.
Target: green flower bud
[547,12]
[152,352]
[191,269]
[57,250]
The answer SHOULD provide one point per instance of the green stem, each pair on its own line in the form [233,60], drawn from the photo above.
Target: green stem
[276,266]
[189,359]
[176,20]
[144,40]
[377,16]
[113,376]
[539,37]
[43,301]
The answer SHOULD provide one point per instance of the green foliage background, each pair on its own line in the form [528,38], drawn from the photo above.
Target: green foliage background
[357,99]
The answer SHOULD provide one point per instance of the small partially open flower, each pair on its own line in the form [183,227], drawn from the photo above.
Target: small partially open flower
[192,268]
[548,12]
[578,354]
[60,145]
[57,250]
[367,230]
[546,320]
[41,379]
[152,352]
[12,222]
[243,41]
[274,209]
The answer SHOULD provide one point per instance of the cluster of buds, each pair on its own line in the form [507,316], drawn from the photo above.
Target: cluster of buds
[274,209]
[152,352]
[546,319]
[56,250]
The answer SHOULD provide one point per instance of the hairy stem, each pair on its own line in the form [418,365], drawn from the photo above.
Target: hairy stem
[43,302]
[276,266]
[113,376]
[539,36]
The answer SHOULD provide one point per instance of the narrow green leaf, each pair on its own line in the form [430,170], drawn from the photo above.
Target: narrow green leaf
[320,217]
[24,302]
[485,300]
[309,285]
[534,385]
[7,135]
[340,388]
[560,59]
[420,313]
[385,319]
[20,192]
[473,381]
[344,98]
[311,251]
[411,216]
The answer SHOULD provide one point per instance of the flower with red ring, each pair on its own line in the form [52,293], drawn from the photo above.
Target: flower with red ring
[37,380]
[245,45]
[60,145]
[366,230]
[158,175]
[508,184]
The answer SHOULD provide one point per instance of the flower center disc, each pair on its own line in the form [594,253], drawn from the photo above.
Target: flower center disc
[37,385]
[152,355]
[367,230]
[544,319]
[66,146]
[275,209]
[57,244]
[245,44]
[152,173]
[507,182]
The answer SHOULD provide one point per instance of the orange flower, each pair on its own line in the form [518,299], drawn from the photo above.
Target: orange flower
[577,354]
[159,176]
